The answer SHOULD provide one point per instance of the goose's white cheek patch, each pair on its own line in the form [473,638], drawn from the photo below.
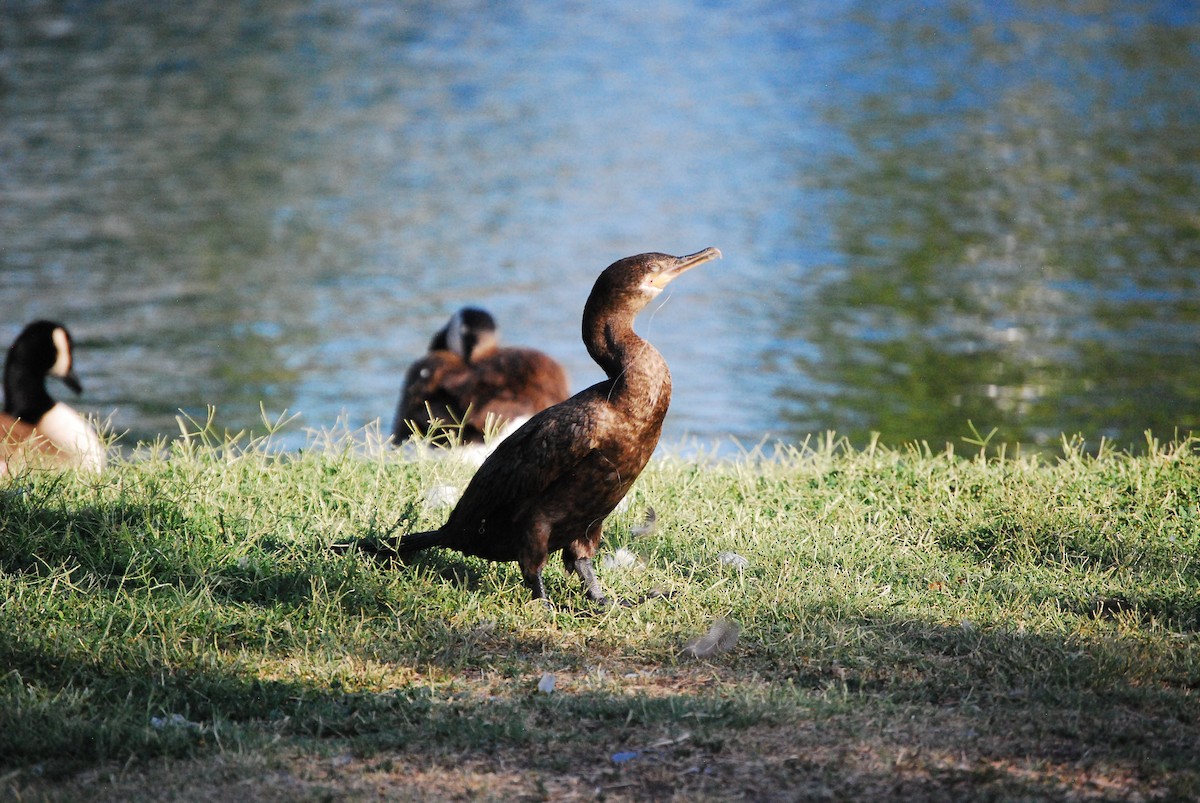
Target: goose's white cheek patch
[62,347]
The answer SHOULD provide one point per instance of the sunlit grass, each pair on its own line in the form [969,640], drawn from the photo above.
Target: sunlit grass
[188,601]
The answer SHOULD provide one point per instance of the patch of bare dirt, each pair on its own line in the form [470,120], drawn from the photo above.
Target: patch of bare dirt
[807,760]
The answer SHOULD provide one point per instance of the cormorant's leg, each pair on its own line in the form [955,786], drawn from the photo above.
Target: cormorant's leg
[533,581]
[583,567]
[577,557]
[532,557]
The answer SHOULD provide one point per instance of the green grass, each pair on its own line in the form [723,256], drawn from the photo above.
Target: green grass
[187,604]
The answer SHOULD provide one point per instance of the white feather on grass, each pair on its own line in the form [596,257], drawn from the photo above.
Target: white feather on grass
[721,637]
[648,526]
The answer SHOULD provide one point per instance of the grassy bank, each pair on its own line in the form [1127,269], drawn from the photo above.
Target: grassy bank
[913,623]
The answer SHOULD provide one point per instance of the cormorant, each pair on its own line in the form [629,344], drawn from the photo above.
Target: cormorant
[550,485]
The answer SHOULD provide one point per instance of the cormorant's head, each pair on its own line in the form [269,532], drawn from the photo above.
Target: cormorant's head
[663,269]
[642,277]
[45,348]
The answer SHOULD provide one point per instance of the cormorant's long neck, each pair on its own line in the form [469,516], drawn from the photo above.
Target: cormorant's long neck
[25,393]
[635,367]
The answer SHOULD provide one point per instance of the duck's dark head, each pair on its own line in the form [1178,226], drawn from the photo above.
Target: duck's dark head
[431,389]
[44,348]
[437,369]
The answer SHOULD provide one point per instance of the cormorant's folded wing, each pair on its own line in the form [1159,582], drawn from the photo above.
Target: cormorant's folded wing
[548,447]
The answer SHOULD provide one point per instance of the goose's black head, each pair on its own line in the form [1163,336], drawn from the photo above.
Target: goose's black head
[44,348]
[471,333]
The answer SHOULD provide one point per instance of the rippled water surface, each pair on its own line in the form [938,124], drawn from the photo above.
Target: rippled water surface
[931,213]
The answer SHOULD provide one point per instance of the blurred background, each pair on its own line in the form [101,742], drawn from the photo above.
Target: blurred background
[932,213]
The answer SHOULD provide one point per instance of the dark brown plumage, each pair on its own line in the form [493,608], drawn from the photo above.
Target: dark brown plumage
[467,379]
[550,485]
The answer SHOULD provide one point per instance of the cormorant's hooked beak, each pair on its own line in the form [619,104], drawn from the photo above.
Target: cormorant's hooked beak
[682,264]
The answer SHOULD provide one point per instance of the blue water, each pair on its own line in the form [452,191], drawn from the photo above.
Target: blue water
[931,213]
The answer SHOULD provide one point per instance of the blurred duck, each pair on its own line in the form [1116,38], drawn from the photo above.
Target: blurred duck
[467,379]
[34,428]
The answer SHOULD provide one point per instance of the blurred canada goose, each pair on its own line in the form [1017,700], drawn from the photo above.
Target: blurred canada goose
[467,378]
[34,427]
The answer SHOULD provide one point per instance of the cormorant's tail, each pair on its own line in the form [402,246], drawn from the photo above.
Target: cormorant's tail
[391,547]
